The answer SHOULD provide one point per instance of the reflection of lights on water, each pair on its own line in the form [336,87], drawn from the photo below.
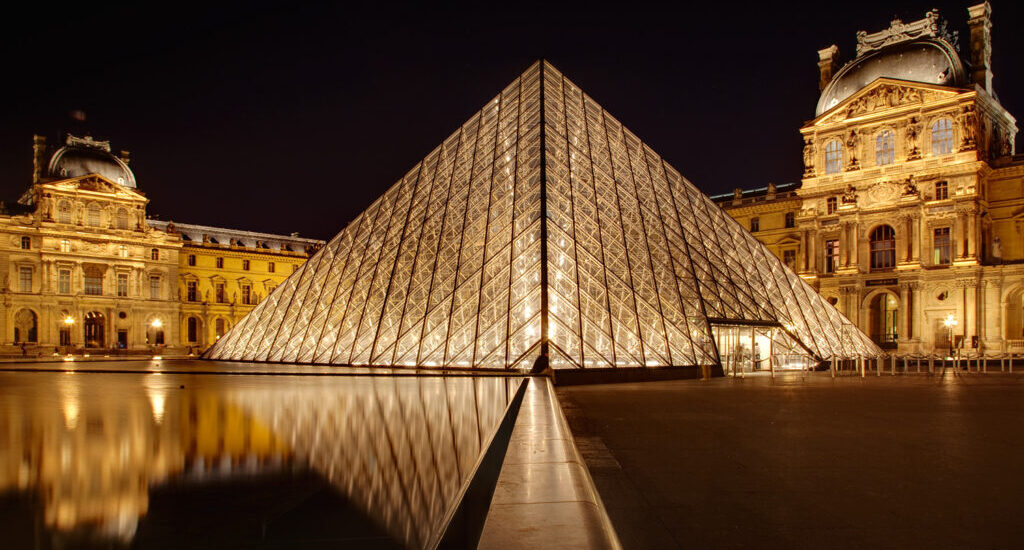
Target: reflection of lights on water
[157,357]
[157,400]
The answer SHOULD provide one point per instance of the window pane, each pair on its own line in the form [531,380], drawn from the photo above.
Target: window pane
[122,284]
[64,281]
[25,279]
[154,288]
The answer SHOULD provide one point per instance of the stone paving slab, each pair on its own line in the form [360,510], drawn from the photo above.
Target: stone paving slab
[807,461]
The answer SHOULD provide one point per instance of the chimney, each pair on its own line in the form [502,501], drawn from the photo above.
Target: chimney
[828,62]
[38,157]
[125,157]
[980,23]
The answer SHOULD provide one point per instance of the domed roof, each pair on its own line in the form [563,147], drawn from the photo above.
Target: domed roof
[920,51]
[83,156]
[928,61]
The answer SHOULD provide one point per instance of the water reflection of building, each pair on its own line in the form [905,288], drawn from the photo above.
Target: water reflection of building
[83,267]
[94,457]
[93,448]
[910,208]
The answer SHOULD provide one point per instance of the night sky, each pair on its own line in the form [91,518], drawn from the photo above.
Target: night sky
[288,117]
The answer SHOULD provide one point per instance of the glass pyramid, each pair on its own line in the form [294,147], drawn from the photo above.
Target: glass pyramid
[455,267]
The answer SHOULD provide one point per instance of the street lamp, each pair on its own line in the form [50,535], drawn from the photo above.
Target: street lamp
[950,322]
[69,320]
[157,323]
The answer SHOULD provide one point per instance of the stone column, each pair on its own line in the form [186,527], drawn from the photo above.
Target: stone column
[855,246]
[917,320]
[972,234]
[909,236]
[970,305]
[802,265]
[905,323]
[916,225]
[992,335]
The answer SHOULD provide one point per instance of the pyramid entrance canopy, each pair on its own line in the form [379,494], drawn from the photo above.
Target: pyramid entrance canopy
[540,228]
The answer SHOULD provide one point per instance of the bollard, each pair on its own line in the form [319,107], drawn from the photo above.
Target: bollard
[833,369]
[878,366]
[1002,363]
[863,366]
[892,364]
[984,364]
[919,364]
[931,365]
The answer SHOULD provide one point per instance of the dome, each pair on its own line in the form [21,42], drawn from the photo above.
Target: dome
[83,156]
[930,61]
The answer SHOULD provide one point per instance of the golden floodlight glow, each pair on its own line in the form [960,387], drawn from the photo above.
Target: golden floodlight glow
[157,323]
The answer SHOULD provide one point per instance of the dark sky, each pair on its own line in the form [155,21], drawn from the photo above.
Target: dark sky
[290,117]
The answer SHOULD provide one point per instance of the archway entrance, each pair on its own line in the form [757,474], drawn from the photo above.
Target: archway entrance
[883,316]
[26,327]
[93,324]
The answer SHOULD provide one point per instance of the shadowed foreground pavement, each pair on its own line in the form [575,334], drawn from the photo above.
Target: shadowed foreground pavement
[805,460]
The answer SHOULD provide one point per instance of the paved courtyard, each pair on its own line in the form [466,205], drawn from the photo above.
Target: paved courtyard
[911,461]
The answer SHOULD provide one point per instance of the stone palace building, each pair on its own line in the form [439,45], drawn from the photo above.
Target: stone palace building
[84,269]
[910,213]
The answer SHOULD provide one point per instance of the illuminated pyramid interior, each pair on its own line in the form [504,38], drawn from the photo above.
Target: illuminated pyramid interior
[456,267]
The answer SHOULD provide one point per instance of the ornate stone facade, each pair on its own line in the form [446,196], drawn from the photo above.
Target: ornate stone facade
[81,267]
[910,208]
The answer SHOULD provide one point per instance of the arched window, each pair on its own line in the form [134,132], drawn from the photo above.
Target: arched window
[833,157]
[93,215]
[220,327]
[885,148]
[883,247]
[193,330]
[122,218]
[942,137]
[64,212]
[25,328]
[154,254]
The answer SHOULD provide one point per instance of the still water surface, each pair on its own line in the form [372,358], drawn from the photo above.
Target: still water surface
[212,461]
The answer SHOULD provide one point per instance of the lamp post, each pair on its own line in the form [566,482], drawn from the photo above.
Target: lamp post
[950,322]
[69,321]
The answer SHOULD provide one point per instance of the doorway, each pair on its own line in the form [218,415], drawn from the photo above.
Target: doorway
[94,322]
[883,316]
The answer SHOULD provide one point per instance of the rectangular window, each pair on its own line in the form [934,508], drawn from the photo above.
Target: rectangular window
[245,265]
[65,245]
[831,255]
[219,293]
[246,294]
[941,190]
[755,225]
[25,279]
[154,288]
[831,205]
[270,267]
[123,251]
[943,246]
[192,291]
[64,281]
[220,263]
[26,243]
[122,284]
[789,258]
[154,254]
[790,219]
[94,284]
[192,259]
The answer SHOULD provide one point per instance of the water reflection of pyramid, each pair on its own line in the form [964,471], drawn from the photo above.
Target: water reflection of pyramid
[454,266]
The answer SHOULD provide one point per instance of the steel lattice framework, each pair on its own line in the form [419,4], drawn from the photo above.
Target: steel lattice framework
[455,265]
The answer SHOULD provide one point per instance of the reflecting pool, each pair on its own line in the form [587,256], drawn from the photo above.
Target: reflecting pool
[213,461]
